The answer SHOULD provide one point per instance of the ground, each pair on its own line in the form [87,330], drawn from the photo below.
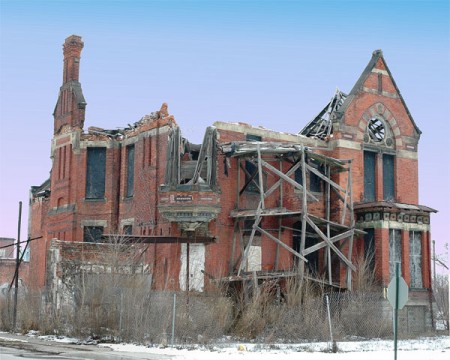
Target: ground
[32,346]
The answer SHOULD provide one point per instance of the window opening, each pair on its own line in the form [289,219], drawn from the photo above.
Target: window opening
[252,169]
[315,182]
[376,130]
[310,240]
[95,172]
[388,177]
[369,247]
[130,171]
[369,175]
[127,229]
[415,259]
[93,234]
[395,250]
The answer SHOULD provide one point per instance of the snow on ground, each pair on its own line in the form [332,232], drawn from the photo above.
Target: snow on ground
[437,348]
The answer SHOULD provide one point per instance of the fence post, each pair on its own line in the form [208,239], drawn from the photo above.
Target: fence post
[329,318]
[173,317]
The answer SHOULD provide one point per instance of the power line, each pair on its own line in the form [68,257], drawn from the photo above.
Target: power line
[20,242]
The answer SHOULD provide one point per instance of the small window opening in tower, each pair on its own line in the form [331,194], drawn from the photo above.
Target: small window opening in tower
[376,130]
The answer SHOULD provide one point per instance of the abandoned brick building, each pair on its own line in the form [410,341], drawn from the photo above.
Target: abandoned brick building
[246,203]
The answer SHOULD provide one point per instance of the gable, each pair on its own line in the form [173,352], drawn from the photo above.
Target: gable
[376,84]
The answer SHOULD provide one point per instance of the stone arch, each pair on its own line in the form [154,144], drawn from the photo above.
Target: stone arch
[380,112]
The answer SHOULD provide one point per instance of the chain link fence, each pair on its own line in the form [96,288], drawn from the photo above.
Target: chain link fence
[133,313]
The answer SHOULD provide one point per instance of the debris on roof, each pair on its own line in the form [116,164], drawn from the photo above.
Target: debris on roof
[321,126]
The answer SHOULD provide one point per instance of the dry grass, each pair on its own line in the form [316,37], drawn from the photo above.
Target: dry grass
[118,303]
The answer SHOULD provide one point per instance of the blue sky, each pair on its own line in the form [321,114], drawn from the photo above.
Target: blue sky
[266,63]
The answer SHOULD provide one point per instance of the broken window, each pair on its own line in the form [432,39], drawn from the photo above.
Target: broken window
[388,177]
[376,130]
[369,248]
[369,175]
[92,234]
[130,171]
[252,169]
[127,229]
[415,259]
[395,250]
[95,172]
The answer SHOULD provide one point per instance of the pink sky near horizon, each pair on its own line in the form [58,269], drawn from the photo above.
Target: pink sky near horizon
[274,64]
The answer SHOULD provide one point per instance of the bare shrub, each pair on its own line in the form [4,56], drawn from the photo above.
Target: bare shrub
[441,295]
[203,318]
[360,312]
[303,314]
[257,313]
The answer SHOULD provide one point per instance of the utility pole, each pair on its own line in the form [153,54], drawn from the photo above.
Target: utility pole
[16,283]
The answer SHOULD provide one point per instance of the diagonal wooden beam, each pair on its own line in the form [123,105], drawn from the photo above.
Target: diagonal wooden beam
[323,244]
[288,179]
[335,249]
[251,179]
[252,235]
[324,178]
[278,241]
[279,182]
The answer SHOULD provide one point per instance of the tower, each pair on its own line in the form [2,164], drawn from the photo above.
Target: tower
[70,108]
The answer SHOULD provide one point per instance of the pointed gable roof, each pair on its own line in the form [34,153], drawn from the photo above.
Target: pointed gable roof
[377,58]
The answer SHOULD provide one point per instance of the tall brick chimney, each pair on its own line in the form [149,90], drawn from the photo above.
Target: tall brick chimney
[72,50]
[70,108]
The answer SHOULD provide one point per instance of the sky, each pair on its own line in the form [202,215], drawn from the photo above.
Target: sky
[268,63]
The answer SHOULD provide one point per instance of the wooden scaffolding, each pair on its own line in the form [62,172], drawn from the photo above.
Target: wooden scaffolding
[289,162]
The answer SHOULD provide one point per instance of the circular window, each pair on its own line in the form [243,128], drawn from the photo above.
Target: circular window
[376,130]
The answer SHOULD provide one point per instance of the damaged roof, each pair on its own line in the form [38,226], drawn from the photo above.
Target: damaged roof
[321,125]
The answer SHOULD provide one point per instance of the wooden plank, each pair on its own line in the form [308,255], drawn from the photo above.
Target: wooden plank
[251,178]
[335,249]
[279,181]
[233,248]
[249,244]
[352,224]
[260,177]
[305,211]
[278,241]
[289,180]
[328,251]
[324,243]
[324,178]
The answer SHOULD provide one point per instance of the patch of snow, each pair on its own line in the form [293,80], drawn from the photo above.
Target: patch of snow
[58,338]
[12,340]
[437,348]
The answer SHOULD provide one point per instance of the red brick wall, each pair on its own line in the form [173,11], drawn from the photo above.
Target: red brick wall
[8,268]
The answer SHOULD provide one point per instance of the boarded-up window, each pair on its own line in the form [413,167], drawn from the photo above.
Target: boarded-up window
[251,168]
[369,175]
[92,234]
[395,250]
[388,177]
[415,258]
[130,171]
[196,267]
[95,173]
[369,247]
[254,258]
